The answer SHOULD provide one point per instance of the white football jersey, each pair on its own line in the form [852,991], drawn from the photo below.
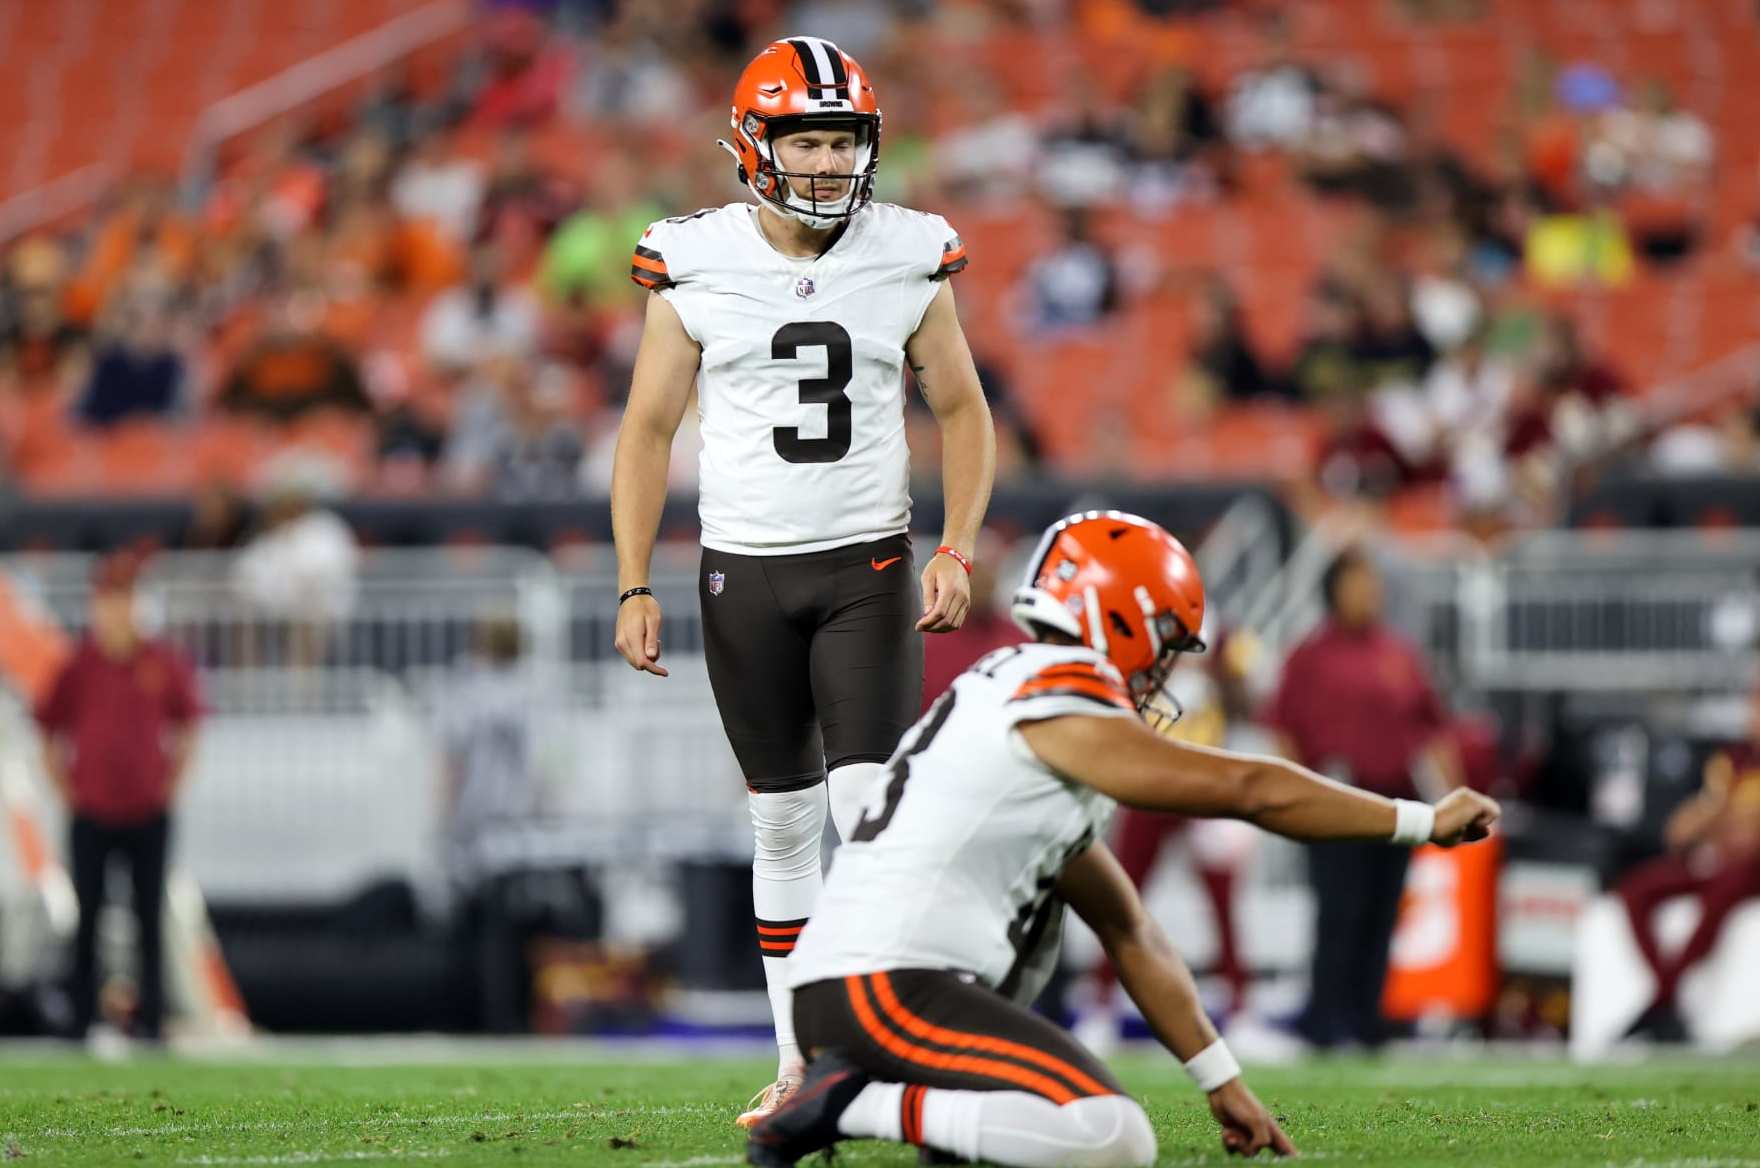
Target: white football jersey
[801,389]
[956,856]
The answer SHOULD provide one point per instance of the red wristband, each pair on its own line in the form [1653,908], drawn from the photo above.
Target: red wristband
[958,556]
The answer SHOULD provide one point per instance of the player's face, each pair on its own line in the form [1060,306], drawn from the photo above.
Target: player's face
[828,156]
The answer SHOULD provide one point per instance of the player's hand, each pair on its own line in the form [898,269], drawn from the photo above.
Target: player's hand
[947,595]
[1247,1128]
[1464,816]
[638,634]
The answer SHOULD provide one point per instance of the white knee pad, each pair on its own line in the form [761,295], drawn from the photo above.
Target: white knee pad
[1119,1132]
[850,787]
[786,829]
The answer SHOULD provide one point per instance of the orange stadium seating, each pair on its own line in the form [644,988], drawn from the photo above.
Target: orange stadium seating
[133,75]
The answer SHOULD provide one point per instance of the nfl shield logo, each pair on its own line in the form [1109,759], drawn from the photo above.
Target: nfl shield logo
[717,581]
[803,287]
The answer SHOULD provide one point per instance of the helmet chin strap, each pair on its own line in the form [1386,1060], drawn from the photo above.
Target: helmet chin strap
[786,205]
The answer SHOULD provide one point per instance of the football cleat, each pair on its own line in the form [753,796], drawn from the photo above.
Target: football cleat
[806,1122]
[764,1103]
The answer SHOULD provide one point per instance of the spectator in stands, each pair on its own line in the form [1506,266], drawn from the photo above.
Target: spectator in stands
[1355,702]
[1390,344]
[1178,144]
[1224,366]
[537,451]
[1657,158]
[512,433]
[1713,854]
[298,575]
[485,319]
[293,368]
[1355,145]
[1722,440]
[1274,104]
[144,230]
[526,71]
[1469,394]
[992,157]
[1581,408]
[522,203]
[1085,159]
[584,263]
[1327,363]
[1445,305]
[1075,284]
[119,723]
[139,368]
[439,185]
[40,347]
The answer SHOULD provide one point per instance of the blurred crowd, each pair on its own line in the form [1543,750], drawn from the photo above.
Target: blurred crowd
[427,294]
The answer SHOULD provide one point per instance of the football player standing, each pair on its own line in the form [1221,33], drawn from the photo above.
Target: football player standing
[792,318]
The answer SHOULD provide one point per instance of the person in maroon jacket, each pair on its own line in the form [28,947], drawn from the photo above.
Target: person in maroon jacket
[1355,703]
[119,724]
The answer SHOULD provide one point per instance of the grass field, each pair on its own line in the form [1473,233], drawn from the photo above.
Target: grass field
[656,1112]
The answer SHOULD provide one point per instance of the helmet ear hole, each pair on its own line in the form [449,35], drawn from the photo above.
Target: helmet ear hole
[1119,624]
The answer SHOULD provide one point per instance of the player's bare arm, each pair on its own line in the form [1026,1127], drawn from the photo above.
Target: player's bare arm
[942,363]
[1138,767]
[666,369]
[1158,980]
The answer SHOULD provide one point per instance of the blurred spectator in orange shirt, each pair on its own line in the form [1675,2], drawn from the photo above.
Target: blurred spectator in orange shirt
[293,368]
[144,228]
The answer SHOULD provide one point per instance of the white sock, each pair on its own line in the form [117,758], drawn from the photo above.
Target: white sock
[1010,1127]
[874,1114]
[850,787]
[786,829]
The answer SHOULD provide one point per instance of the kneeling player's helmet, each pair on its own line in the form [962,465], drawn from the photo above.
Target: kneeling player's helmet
[803,83]
[1124,587]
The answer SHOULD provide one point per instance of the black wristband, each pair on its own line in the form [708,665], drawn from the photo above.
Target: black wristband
[638,590]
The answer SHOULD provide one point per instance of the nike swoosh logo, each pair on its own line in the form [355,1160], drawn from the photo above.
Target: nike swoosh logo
[882,565]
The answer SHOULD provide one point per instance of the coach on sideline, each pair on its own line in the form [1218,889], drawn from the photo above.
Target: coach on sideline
[119,724]
[1355,703]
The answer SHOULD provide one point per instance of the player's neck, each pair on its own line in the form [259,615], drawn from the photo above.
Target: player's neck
[790,236]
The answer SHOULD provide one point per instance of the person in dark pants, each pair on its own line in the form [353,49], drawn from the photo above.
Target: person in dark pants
[1355,703]
[119,722]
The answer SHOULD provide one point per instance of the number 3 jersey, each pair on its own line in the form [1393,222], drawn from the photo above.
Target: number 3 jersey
[956,856]
[800,392]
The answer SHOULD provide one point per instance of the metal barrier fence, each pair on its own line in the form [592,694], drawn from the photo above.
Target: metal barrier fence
[1630,611]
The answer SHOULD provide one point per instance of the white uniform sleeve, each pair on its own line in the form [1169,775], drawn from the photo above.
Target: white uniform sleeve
[661,262]
[942,255]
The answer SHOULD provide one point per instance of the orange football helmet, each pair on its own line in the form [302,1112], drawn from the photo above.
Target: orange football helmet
[1123,587]
[797,84]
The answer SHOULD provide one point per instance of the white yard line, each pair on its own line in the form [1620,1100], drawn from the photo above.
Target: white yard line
[318,1157]
[224,1126]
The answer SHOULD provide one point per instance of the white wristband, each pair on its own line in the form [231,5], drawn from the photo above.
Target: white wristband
[1213,1066]
[1414,823]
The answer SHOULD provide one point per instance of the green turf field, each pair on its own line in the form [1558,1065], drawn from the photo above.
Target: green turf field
[553,1111]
